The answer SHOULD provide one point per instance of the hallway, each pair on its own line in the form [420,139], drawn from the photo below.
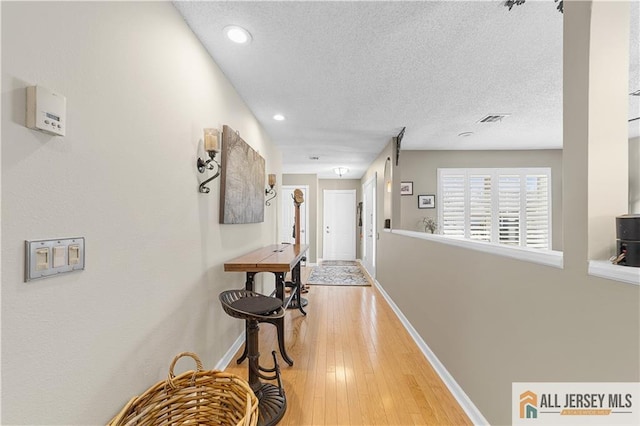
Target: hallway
[355,364]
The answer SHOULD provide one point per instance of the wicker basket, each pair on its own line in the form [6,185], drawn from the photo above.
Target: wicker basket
[195,398]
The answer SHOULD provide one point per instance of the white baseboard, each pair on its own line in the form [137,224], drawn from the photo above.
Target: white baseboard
[465,402]
[226,359]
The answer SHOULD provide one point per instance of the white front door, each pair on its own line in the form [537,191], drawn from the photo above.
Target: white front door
[369,226]
[339,225]
[288,215]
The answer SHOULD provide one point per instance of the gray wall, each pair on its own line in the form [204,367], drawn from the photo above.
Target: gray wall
[421,168]
[140,90]
[493,321]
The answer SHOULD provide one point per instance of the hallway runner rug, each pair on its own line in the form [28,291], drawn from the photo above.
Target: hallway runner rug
[347,275]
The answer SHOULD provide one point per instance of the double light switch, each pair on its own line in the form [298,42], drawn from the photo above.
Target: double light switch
[47,258]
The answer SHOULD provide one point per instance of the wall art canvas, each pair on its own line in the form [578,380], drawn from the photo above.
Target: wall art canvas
[242,181]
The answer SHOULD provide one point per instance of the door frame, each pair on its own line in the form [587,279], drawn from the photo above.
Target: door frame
[373,183]
[305,188]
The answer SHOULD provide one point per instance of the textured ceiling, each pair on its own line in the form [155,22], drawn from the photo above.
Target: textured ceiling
[348,76]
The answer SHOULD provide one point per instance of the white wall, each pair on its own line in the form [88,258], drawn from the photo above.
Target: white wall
[140,89]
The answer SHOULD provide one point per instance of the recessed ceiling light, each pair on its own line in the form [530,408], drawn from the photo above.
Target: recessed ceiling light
[465,134]
[237,34]
[278,117]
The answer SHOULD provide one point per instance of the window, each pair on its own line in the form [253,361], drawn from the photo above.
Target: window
[500,206]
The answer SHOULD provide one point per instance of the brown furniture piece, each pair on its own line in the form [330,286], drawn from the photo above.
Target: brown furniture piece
[253,308]
[194,397]
[277,259]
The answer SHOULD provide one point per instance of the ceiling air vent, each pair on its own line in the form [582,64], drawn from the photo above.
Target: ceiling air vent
[493,118]
[636,93]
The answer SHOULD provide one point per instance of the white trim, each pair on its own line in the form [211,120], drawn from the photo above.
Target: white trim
[228,356]
[604,269]
[543,257]
[373,183]
[458,393]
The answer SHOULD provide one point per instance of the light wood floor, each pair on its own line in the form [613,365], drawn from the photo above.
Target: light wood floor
[354,364]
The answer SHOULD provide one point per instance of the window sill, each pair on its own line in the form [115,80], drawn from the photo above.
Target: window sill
[605,269]
[546,257]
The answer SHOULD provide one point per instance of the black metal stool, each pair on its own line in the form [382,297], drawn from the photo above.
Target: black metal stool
[253,308]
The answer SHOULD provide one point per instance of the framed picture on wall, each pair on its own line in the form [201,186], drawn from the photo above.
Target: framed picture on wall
[426,201]
[406,188]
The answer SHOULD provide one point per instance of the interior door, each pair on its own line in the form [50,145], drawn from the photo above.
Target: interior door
[369,226]
[288,215]
[339,225]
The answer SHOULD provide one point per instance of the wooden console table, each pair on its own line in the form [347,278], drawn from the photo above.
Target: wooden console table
[277,259]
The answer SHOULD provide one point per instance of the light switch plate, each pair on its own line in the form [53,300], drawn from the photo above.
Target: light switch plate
[48,258]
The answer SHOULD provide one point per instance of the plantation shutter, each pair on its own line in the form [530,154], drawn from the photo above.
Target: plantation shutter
[509,209]
[538,211]
[501,206]
[452,207]
[480,207]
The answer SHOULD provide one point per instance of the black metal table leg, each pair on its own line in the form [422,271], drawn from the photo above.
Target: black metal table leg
[279,323]
[297,301]
[248,285]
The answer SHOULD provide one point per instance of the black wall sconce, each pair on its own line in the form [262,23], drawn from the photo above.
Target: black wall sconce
[270,190]
[212,147]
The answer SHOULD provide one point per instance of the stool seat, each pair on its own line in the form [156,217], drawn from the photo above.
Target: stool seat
[261,305]
[248,305]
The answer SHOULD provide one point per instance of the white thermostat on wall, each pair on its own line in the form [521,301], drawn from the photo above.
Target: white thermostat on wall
[46,110]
